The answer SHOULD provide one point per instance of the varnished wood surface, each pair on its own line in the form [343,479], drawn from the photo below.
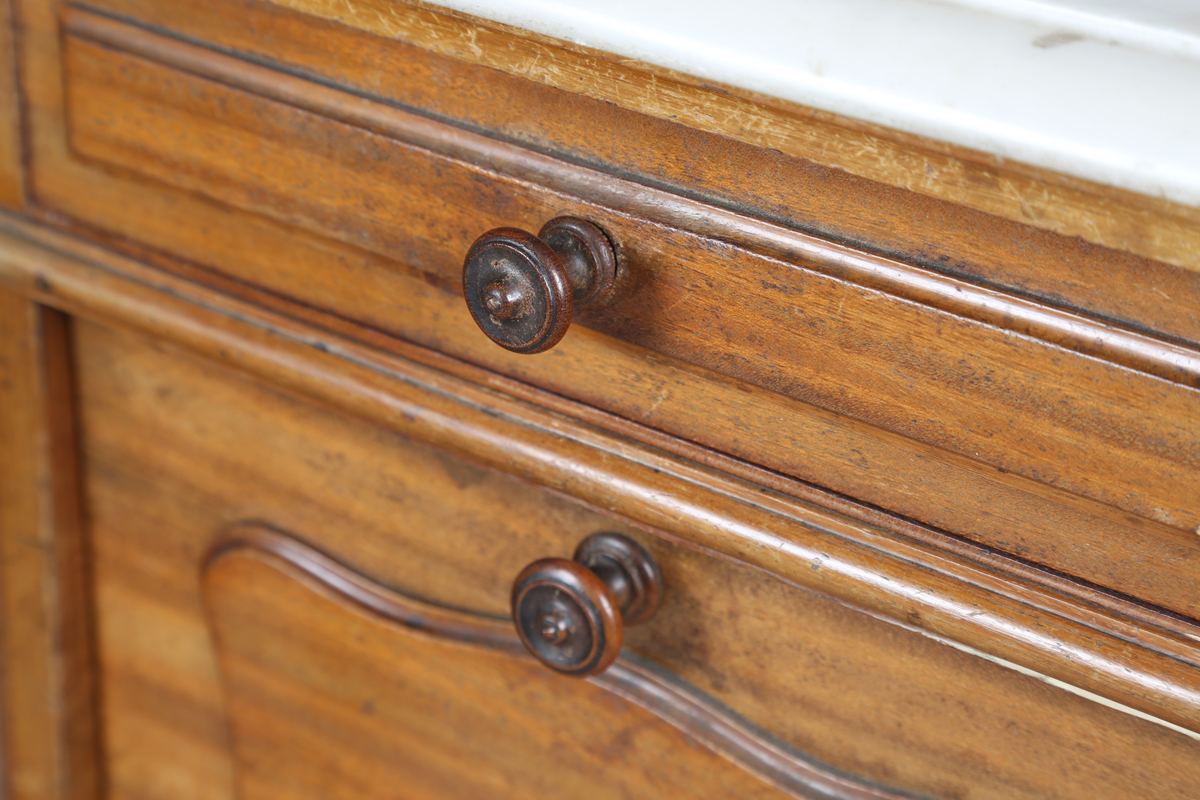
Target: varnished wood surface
[998,391]
[793,187]
[12,180]
[48,677]
[990,608]
[1025,407]
[168,464]
[807,443]
[265,638]
[382,713]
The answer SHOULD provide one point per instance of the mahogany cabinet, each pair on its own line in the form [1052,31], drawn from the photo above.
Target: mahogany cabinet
[912,434]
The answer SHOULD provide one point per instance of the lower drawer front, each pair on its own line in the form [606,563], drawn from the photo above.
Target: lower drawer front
[254,677]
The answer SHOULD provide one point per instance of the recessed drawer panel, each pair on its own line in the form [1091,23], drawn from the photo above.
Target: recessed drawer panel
[1036,432]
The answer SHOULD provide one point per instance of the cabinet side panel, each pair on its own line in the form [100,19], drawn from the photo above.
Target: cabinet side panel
[11,181]
[46,657]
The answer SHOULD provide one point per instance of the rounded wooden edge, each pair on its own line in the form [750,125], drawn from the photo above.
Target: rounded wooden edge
[256,540]
[1108,645]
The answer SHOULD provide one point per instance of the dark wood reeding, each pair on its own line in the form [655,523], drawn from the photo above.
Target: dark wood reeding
[594,609]
[642,579]
[570,257]
[863,566]
[530,261]
[51,736]
[1074,331]
[588,255]
[671,699]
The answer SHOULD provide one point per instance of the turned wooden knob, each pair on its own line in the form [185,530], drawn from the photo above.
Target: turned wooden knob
[523,289]
[572,614]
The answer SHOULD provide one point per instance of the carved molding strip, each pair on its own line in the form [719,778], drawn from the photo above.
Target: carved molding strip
[691,711]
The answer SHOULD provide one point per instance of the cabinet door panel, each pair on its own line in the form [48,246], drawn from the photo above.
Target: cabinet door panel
[336,687]
[178,449]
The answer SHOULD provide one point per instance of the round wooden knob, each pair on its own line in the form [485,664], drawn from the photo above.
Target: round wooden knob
[572,614]
[522,289]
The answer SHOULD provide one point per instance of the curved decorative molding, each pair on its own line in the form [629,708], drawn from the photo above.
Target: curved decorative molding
[673,700]
[723,730]
[353,587]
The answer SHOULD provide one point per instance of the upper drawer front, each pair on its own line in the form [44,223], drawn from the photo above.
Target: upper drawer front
[1046,435]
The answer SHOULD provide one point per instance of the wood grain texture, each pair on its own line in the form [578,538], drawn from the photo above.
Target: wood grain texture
[799,191]
[969,389]
[50,744]
[12,171]
[1146,662]
[1026,407]
[167,470]
[264,639]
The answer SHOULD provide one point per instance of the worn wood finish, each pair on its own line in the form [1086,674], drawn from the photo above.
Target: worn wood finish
[12,173]
[628,570]
[918,470]
[1023,406]
[47,690]
[1000,611]
[985,507]
[352,212]
[793,187]
[812,444]
[167,471]
[285,705]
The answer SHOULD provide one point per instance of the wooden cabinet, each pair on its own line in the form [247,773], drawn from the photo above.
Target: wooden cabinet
[919,466]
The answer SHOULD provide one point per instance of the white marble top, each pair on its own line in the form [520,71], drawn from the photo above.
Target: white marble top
[1102,89]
